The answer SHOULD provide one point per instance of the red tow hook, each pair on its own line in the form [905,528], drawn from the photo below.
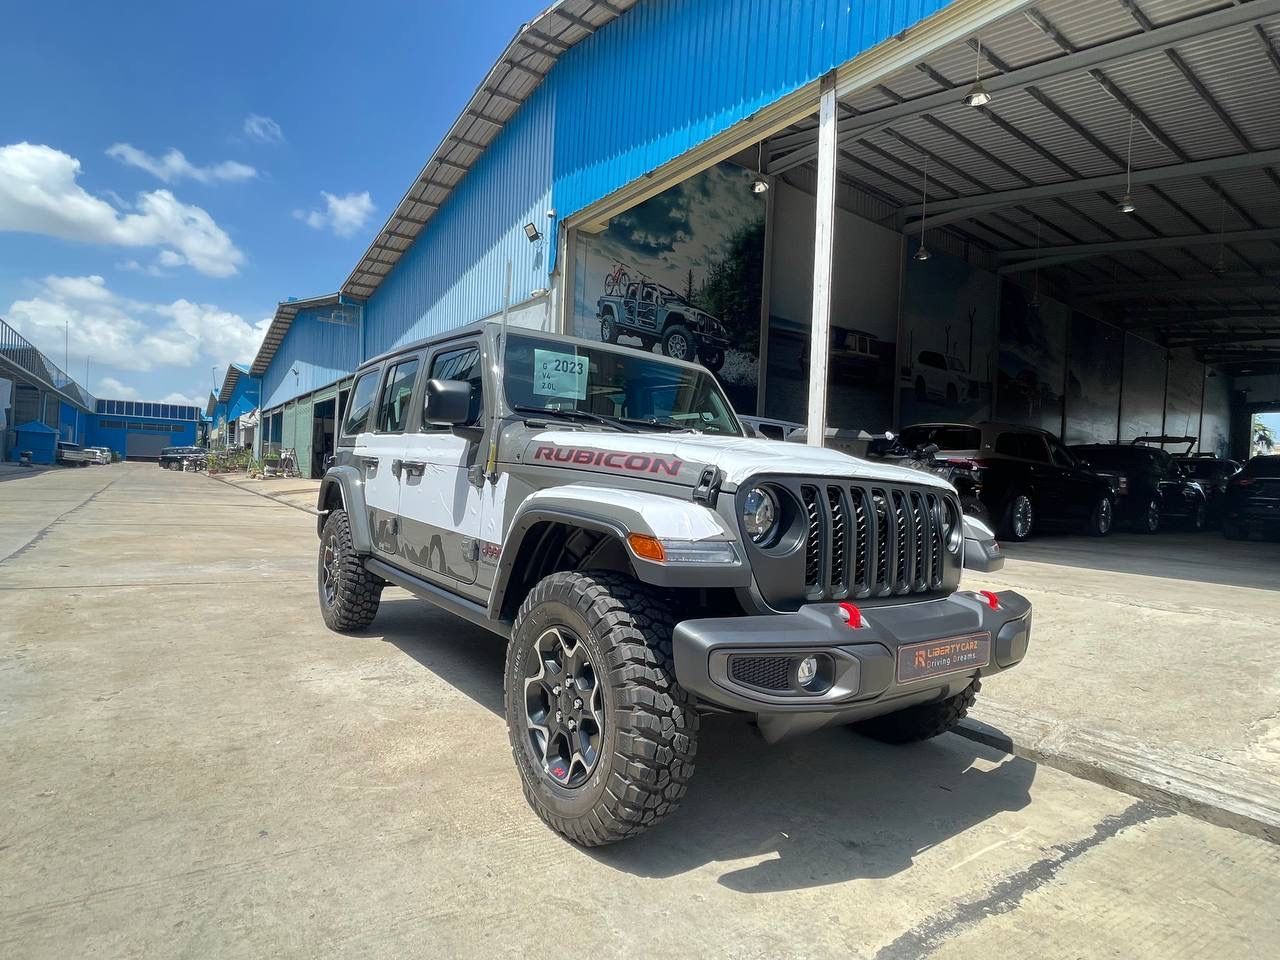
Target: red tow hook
[992,600]
[851,615]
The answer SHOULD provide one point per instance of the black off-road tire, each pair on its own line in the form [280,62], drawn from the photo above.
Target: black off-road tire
[608,327]
[356,592]
[651,727]
[678,332]
[922,722]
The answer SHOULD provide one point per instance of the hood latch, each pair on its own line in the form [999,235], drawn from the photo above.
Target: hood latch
[708,489]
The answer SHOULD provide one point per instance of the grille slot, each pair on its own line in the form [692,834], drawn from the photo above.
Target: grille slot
[764,673]
[872,541]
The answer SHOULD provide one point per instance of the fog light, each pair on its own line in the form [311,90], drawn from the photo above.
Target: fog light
[807,671]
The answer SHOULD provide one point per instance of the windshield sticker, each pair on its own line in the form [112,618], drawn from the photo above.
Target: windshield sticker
[557,374]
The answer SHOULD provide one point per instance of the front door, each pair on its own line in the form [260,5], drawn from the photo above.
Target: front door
[373,454]
[440,500]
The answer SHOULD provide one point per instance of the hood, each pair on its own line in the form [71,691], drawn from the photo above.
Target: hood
[681,457]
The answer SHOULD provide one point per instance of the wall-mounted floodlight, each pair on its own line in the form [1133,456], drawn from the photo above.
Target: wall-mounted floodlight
[532,232]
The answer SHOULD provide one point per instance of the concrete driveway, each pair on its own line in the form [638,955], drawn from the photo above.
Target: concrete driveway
[192,766]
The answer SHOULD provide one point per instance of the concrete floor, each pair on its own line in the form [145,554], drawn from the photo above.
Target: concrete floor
[191,765]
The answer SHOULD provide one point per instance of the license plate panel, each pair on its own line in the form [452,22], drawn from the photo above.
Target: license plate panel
[937,658]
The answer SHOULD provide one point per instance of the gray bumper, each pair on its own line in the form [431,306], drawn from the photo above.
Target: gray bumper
[860,675]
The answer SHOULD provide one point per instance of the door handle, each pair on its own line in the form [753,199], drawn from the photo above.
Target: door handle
[370,464]
[415,468]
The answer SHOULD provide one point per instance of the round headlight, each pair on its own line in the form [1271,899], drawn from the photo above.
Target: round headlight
[759,514]
[952,526]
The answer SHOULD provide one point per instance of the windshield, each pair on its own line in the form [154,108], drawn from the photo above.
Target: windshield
[630,388]
[946,436]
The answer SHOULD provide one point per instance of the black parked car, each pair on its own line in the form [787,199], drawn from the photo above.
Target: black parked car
[1213,475]
[1024,477]
[1253,500]
[174,458]
[1158,489]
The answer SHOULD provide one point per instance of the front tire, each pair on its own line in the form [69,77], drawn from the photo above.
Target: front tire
[349,594]
[608,328]
[603,736]
[1019,518]
[1101,518]
[1149,522]
[677,343]
[1200,518]
[922,722]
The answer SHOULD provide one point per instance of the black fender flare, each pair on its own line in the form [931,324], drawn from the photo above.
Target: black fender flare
[350,488]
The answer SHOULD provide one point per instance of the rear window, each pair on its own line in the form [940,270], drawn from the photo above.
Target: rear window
[1263,467]
[946,437]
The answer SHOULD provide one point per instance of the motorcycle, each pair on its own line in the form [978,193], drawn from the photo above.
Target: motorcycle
[889,448]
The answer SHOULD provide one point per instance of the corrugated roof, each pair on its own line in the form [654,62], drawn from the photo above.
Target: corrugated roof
[286,310]
[234,372]
[516,74]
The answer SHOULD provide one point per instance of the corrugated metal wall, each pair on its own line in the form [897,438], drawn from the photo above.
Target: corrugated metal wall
[671,74]
[454,274]
[322,352]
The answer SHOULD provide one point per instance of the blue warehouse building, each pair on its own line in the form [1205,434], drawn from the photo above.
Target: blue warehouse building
[139,430]
[890,211]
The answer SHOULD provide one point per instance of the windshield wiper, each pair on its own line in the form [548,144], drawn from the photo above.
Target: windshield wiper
[583,416]
[667,423]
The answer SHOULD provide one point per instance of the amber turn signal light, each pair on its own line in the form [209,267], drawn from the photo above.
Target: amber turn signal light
[646,547]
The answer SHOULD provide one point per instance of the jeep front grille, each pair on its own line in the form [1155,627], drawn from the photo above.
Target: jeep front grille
[893,546]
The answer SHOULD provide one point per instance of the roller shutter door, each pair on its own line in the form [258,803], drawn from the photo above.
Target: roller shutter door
[146,446]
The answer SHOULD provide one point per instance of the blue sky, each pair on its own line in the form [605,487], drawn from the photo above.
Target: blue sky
[298,126]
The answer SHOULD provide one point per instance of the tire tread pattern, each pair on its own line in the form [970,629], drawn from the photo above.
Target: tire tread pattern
[924,721]
[656,725]
[359,592]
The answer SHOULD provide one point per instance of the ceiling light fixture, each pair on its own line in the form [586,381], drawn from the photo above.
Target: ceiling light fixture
[1126,204]
[978,95]
[760,184]
[922,252]
[1220,267]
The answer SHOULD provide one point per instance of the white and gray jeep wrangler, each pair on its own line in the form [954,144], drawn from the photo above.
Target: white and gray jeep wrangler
[601,508]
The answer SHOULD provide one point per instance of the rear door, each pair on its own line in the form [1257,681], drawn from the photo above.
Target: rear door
[441,506]
[1079,486]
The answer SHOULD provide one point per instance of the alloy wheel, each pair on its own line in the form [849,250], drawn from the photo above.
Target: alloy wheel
[1023,516]
[678,347]
[1153,516]
[329,570]
[564,708]
[1104,515]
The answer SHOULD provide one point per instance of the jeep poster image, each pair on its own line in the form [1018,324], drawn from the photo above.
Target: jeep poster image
[681,274]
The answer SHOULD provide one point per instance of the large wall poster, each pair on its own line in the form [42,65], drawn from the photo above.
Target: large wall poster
[1142,403]
[1094,369]
[1033,359]
[864,315]
[681,274]
[1182,398]
[948,351]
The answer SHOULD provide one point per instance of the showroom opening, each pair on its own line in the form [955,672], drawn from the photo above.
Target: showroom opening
[1068,219]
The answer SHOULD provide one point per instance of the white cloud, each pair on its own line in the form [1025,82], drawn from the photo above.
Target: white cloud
[343,215]
[174,166]
[112,389]
[39,194]
[193,400]
[131,334]
[263,129]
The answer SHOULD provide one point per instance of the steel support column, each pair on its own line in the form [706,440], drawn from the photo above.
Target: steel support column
[823,259]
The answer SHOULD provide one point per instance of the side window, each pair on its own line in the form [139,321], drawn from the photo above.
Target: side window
[1007,445]
[458,363]
[1061,456]
[361,404]
[1034,448]
[393,409]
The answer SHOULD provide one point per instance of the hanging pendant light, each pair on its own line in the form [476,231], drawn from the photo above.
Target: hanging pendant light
[922,252]
[978,95]
[1220,267]
[1126,204]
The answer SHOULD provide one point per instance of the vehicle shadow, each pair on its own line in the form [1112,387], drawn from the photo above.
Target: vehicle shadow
[822,809]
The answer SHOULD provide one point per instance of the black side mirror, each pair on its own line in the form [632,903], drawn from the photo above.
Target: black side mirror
[448,402]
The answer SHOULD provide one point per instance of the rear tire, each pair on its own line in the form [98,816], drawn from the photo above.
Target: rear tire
[922,722]
[349,594]
[1019,518]
[625,761]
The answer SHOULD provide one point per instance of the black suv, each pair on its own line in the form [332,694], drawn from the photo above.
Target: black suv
[1253,499]
[1213,474]
[1157,489]
[1024,477]
[175,458]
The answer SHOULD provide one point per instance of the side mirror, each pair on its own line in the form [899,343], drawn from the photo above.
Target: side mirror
[448,402]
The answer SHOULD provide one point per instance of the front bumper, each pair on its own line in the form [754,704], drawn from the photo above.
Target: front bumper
[861,671]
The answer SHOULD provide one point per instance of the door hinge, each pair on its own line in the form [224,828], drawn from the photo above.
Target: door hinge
[475,475]
[471,549]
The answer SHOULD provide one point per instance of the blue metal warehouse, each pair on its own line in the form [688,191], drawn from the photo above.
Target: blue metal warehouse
[1064,213]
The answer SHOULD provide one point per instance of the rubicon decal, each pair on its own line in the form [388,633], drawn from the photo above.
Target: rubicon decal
[630,462]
